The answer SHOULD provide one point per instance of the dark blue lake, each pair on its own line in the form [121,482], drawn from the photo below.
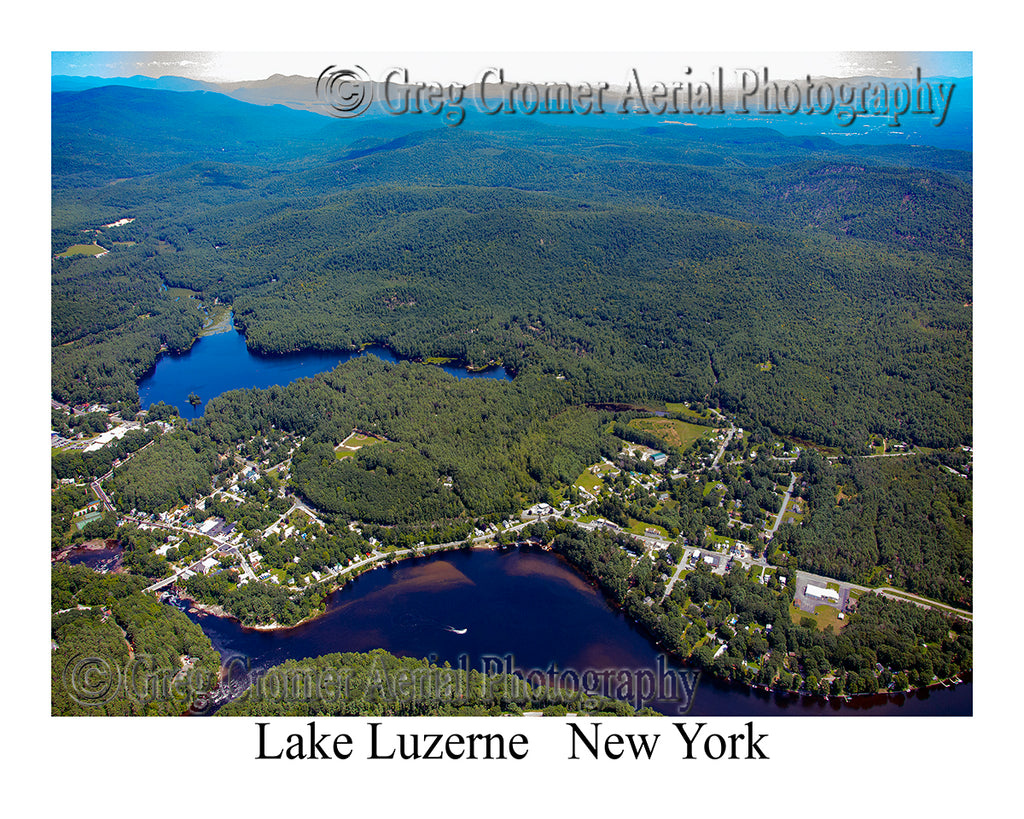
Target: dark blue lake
[529,605]
[222,362]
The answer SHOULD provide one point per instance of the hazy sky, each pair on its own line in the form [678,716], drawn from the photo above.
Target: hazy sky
[611,67]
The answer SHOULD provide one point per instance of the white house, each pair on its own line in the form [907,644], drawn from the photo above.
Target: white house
[209,563]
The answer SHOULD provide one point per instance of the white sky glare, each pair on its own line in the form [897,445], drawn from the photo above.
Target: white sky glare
[612,67]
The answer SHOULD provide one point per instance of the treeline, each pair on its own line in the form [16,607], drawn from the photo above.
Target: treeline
[77,464]
[378,683]
[110,320]
[898,521]
[648,439]
[911,646]
[637,305]
[256,603]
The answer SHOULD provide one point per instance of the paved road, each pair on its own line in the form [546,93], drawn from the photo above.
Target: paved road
[296,504]
[675,577]
[725,443]
[923,602]
[219,544]
[803,578]
[782,509]
[108,504]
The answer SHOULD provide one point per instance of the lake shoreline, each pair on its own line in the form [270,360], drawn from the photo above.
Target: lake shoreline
[862,703]
[216,363]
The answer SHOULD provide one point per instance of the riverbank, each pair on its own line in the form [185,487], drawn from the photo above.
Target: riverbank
[381,561]
[531,612]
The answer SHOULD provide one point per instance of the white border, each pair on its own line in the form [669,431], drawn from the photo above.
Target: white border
[894,765]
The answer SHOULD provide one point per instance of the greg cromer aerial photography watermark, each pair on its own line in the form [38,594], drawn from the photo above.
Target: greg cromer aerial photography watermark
[351,91]
[96,680]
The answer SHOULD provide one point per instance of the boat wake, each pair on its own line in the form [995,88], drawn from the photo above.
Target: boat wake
[413,620]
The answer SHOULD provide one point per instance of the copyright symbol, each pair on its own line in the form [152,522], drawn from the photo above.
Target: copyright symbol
[92,680]
[346,91]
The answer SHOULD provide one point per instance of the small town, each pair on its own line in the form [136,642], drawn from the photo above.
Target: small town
[194,541]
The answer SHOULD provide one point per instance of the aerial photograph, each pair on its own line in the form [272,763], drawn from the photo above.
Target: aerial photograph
[406,387]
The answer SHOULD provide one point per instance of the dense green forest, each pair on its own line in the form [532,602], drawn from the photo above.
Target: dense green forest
[173,471]
[762,643]
[118,652]
[378,684]
[904,522]
[653,264]
[811,290]
[477,446]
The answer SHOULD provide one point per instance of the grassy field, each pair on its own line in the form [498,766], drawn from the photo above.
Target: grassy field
[353,443]
[639,527]
[824,616]
[590,482]
[682,409]
[82,250]
[676,433]
[711,486]
[827,451]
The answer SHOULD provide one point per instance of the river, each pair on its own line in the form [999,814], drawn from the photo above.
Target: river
[528,604]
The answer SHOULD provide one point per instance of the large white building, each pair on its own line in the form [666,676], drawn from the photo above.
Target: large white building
[821,594]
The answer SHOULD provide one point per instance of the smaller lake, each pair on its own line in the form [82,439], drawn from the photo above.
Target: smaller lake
[222,362]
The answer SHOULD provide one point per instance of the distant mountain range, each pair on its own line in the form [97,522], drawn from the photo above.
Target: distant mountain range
[299,93]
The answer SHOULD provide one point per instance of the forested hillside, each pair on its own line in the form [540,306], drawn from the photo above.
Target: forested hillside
[452,447]
[890,521]
[820,290]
